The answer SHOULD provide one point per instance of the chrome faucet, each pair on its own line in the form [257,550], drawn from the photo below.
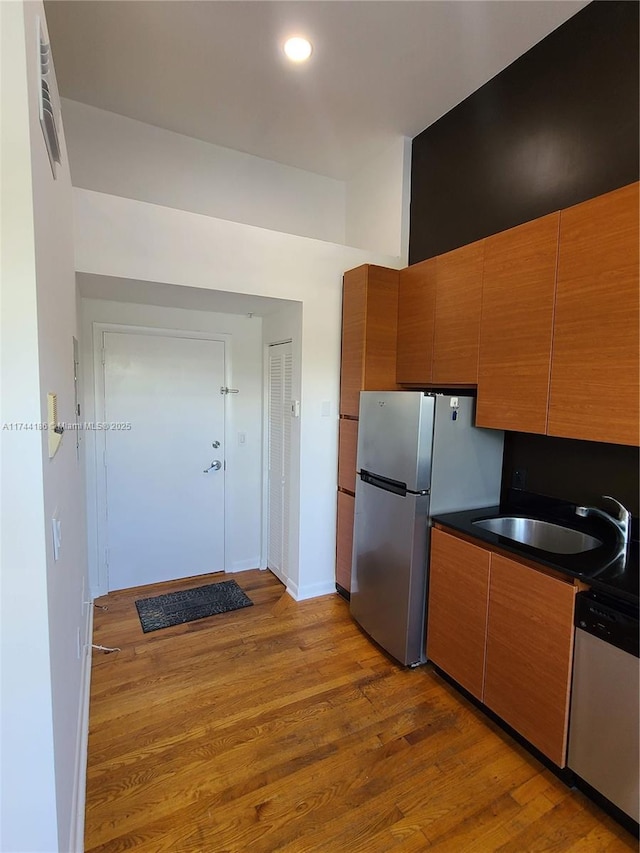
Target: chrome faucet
[621,521]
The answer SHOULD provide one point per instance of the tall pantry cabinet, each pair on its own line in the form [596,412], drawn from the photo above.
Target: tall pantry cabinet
[369,330]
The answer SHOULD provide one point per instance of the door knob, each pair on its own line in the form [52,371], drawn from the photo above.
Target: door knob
[216,465]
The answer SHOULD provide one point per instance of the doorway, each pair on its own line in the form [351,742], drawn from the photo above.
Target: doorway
[164,456]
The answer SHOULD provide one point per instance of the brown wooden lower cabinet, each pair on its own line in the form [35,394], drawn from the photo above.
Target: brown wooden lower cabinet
[457,623]
[504,632]
[529,653]
[344,536]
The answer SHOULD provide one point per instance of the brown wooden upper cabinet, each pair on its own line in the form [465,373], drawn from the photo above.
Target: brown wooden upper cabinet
[416,318]
[516,328]
[594,374]
[543,317]
[369,330]
[457,323]
[439,319]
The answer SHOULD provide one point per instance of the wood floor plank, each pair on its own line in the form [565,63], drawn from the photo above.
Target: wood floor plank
[282,727]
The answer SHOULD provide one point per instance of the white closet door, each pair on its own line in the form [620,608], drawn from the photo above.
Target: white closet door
[280,375]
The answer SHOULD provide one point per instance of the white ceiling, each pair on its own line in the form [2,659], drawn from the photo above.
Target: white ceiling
[213,69]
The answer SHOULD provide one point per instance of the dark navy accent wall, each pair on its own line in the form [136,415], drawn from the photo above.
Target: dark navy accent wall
[571,470]
[556,127]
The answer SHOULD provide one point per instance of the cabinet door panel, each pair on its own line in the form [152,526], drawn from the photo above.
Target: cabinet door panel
[354,308]
[381,330]
[369,332]
[457,618]
[529,652]
[348,445]
[517,326]
[416,317]
[457,321]
[344,536]
[594,376]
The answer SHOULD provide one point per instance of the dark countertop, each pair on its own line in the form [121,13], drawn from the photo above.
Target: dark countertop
[602,568]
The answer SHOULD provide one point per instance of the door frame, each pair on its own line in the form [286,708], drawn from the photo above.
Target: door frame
[96,440]
[264,551]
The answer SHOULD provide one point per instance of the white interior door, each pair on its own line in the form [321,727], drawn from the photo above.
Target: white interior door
[165,515]
[279,444]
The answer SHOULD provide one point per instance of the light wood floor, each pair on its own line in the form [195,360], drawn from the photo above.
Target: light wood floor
[282,728]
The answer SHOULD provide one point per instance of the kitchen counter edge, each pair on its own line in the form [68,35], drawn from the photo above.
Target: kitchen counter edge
[601,568]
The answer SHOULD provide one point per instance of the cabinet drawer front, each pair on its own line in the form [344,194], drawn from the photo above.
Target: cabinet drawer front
[529,652]
[457,619]
[344,536]
[348,445]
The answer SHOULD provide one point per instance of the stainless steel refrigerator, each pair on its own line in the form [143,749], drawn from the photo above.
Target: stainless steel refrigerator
[418,455]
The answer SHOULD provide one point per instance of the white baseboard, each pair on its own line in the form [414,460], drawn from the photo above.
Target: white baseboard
[292,588]
[312,590]
[76,840]
[244,565]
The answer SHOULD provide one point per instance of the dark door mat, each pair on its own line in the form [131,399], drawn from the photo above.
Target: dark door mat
[175,608]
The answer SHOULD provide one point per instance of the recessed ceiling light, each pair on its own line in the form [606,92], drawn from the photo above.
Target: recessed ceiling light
[297,49]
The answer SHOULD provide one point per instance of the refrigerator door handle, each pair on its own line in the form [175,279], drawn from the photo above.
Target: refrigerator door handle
[379,482]
[389,485]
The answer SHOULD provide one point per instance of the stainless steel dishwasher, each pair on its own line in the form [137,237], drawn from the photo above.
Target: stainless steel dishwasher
[603,728]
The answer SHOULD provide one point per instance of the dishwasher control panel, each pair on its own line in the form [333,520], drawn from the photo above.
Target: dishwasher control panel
[612,620]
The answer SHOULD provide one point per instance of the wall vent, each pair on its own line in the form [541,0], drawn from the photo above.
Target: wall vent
[47,111]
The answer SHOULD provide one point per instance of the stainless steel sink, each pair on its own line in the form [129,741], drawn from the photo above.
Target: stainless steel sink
[540,534]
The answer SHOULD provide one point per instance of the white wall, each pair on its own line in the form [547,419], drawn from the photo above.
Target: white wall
[129,239]
[113,154]
[44,679]
[378,194]
[244,414]
[120,157]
